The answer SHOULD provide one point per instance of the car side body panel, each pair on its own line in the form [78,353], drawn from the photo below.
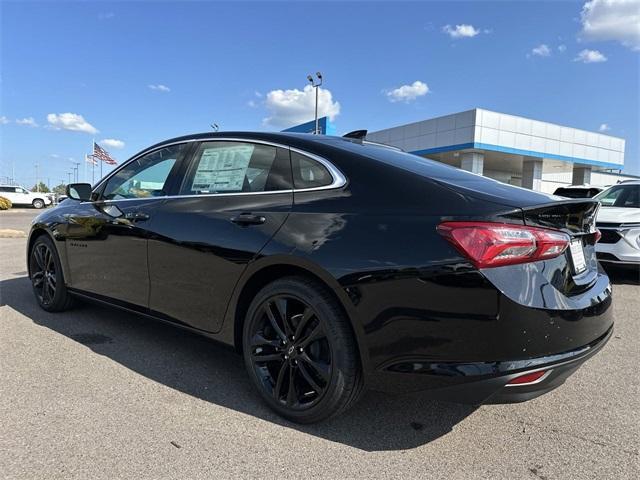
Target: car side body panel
[107,255]
[197,254]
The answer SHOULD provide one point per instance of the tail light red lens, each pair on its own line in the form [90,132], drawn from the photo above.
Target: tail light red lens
[489,244]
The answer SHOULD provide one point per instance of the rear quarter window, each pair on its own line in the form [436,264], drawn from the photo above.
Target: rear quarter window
[309,173]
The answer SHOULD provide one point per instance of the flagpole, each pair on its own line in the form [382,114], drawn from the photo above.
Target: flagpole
[94,151]
[93,163]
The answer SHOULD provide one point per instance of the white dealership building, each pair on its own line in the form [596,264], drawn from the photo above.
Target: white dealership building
[513,149]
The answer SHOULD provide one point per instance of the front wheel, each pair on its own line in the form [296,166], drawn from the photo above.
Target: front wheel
[38,203]
[300,351]
[46,276]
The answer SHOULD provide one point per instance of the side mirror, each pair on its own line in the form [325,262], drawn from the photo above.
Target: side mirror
[79,191]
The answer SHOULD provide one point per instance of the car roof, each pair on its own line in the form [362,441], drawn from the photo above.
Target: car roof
[581,186]
[285,138]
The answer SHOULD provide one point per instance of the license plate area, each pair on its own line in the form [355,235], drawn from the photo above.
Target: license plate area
[576,252]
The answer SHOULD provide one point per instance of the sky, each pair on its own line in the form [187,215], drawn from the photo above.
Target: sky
[130,74]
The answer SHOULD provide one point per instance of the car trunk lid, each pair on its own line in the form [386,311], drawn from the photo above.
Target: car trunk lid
[573,272]
[575,217]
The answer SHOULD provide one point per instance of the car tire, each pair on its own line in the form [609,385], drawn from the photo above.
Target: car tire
[314,376]
[38,203]
[47,280]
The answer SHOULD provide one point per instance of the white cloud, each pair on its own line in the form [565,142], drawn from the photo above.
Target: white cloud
[462,31]
[617,20]
[562,48]
[112,143]
[291,107]
[27,122]
[159,88]
[541,50]
[590,56]
[106,15]
[408,93]
[70,121]
[604,127]
[3,120]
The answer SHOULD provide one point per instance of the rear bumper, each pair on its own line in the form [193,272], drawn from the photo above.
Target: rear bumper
[486,382]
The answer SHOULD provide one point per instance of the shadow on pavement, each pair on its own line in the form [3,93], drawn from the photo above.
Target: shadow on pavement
[201,368]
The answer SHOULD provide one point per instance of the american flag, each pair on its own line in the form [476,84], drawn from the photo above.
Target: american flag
[90,159]
[100,153]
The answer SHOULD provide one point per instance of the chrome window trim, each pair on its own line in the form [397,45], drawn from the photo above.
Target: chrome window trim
[339,180]
[195,195]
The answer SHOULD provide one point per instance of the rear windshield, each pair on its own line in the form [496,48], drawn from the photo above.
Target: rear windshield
[576,192]
[407,161]
[442,172]
[626,196]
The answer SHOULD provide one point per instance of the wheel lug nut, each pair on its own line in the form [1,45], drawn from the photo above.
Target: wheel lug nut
[286,357]
[301,349]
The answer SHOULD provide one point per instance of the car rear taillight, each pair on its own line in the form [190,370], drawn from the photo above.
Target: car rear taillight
[489,244]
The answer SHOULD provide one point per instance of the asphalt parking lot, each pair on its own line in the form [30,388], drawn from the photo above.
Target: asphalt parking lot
[97,393]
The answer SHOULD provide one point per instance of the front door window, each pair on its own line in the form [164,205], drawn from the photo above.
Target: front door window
[145,177]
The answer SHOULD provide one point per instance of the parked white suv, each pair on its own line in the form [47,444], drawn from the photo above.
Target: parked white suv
[21,196]
[619,222]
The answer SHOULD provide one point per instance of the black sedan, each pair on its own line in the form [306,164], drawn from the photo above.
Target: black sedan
[334,265]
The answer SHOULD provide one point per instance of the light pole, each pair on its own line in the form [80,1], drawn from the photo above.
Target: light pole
[316,84]
[76,171]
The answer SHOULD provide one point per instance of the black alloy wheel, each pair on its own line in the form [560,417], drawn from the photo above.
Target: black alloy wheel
[290,352]
[300,352]
[46,276]
[43,273]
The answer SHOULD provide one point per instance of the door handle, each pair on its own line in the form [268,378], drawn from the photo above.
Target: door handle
[136,216]
[246,219]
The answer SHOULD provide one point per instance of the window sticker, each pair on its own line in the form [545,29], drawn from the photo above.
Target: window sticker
[222,169]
